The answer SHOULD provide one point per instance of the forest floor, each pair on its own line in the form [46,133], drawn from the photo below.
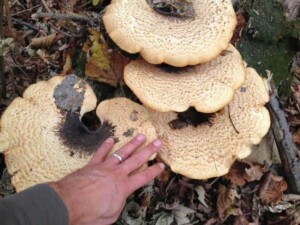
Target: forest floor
[43,38]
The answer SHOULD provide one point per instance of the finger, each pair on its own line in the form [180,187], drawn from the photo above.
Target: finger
[125,151]
[102,151]
[142,178]
[138,159]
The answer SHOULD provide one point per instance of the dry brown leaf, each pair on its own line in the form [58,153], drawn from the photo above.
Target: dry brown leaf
[98,65]
[296,136]
[43,55]
[255,172]
[226,202]
[118,62]
[201,195]
[67,69]
[271,188]
[236,173]
[67,6]
[45,41]
[241,22]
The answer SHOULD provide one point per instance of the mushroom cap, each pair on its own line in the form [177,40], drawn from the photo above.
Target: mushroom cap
[136,28]
[41,141]
[130,118]
[207,87]
[209,150]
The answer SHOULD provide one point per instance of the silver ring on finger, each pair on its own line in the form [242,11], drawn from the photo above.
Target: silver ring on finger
[117,156]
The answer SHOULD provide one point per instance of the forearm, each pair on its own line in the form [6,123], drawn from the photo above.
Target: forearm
[34,206]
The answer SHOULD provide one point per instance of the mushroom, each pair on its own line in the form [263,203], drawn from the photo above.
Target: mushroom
[179,41]
[42,136]
[208,87]
[209,149]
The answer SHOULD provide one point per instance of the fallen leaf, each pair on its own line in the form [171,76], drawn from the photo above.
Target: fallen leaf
[45,41]
[226,202]
[98,65]
[254,173]
[201,195]
[242,220]
[271,188]
[163,218]
[241,22]
[67,69]
[43,55]
[236,173]
[133,214]
[67,6]
[296,136]
[182,214]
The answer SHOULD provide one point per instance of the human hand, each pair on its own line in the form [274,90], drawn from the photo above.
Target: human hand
[97,193]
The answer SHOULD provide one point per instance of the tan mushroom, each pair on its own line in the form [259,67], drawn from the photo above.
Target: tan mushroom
[179,41]
[209,149]
[41,134]
[207,87]
[130,119]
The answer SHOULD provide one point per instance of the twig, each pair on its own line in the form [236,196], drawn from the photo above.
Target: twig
[284,141]
[2,79]
[46,6]
[25,24]
[8,16]
[60,31]
[71,16]
[25,10]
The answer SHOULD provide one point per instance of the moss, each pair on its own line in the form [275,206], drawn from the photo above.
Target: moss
[275,57]
[266,20]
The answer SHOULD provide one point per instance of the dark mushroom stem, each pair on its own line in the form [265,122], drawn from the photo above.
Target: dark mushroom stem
[176,8]
[76,135]
[192,117]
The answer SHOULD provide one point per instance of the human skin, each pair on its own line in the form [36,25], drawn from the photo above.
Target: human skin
[96,193]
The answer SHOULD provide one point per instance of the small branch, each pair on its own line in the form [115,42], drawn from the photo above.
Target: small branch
[25,24]
[46,6]
[70,16]
[8,16]
[284,141]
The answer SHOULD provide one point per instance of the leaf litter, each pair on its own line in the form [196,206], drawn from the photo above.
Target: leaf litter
[39,47]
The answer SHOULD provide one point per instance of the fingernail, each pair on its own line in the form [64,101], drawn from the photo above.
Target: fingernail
[141,137]
[161,165]
[157,143]
[109,140]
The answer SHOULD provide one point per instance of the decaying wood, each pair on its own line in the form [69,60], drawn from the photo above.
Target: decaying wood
[284,141]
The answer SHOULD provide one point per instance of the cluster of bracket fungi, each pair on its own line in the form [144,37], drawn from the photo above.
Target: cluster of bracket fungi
[199,98]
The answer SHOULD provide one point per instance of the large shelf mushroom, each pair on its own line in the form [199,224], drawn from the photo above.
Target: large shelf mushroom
[208,87]
[179,41]
[209,149]
[43,138]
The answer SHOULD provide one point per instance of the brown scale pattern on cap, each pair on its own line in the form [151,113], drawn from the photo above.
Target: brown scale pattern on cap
[208,150]
[43,143]
[130,119]
[207,87]
[136,28]
[34,150]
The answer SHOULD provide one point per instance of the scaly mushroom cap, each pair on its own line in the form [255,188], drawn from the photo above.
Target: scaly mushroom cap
[130,119]
[208,150]
[42,136]
[136,28]
[207,87]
